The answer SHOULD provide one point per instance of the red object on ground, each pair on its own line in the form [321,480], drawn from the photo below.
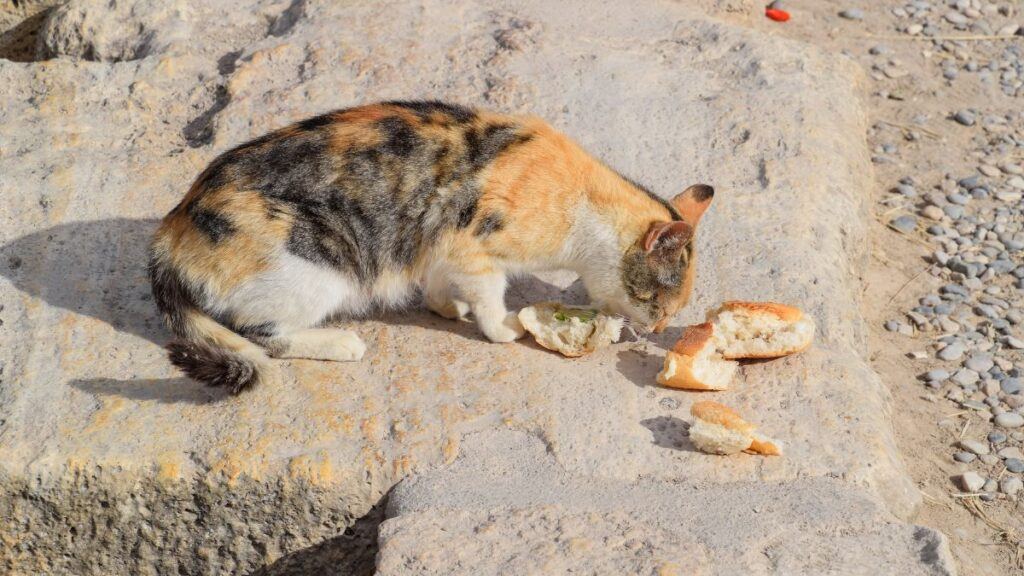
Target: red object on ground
[776,14]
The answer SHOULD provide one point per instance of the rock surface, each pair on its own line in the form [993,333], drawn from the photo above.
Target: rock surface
[110,460]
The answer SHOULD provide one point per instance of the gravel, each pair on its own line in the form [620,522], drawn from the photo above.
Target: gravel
[952,352]
[1011,485]
[965,117]
[975,446]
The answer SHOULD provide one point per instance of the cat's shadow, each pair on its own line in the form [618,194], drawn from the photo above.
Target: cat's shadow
[95,268]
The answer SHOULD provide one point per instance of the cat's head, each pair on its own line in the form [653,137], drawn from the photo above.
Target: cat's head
[658,269]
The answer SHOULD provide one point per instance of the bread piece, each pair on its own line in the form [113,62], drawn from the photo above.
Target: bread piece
[760,330]
[694,363]
[718,429]
[570,330]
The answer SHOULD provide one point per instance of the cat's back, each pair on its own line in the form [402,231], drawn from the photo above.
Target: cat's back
[360,189]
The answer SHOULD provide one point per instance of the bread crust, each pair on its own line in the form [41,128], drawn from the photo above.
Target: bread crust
[694,338]
[781,311]
[716,413]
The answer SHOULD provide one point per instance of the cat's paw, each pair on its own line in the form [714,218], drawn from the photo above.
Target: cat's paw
[507,330]
[349,347]
[451,309]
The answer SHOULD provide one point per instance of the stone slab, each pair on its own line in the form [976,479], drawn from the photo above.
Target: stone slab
[110,460]
[507,507]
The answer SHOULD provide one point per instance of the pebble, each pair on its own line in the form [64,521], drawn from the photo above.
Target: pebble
[1009,420]
[852,14]
[964,457]
[1011,485]
[1010,386]
[1011,452]
[932,212]
[996,437]
[905,224]
[937,375]
[1014,465]
[1015,343]
[971,481]
[965,377]
[980,363]
[952,352]
[965,117]
[975,446]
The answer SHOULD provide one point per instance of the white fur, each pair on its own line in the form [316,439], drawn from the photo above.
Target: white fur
[322,344]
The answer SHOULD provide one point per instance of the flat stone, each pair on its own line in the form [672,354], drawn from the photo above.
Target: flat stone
[980,362]
[952,352]
[1014,465]
[1009,420]
[485,510]
[975,446]
[1011,485]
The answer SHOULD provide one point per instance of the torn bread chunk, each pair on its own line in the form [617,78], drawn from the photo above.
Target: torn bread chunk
[718,429]
[760,330]
[695,364]
[571,330]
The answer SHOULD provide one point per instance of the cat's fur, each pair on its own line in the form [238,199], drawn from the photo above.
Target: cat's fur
[356,208]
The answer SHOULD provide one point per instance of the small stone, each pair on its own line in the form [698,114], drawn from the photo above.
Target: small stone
[932,212]
[989,459]
[965,117]
[980,363]
[952,352]
[955,18]
[1011,485]
[936,375]
[1015,343]
[852,14]
[1010,386]
[1011,452]
[964,457]
[971,481]
[996,437]
[669,403]
[905,224]
[965,377]
[975,446]
[892,325]
[1014,465]
[1009,420]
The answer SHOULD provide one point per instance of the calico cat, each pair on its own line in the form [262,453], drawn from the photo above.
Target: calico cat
[356,208]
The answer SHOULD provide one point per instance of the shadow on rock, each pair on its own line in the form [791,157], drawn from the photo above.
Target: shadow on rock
[639,367]
[95,268]
[164,390]
[669,432]
[353,553]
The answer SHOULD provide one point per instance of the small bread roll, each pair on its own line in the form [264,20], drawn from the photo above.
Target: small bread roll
[694,364]
[760,330]
[570,330]
[718,429]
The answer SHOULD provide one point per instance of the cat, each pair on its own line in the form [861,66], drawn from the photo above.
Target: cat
[356,208]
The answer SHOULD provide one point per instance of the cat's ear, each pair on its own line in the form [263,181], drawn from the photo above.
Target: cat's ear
[667,236]
[692,202]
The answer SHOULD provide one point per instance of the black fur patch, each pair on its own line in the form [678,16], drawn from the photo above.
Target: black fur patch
[215,226]
[424,108]
[316,122]
[399,138]
[483,146]
[702,192]
[489,225]
[173,296]
[214,366]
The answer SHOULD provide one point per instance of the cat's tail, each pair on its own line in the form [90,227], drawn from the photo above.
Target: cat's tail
[205,349]
[216,356]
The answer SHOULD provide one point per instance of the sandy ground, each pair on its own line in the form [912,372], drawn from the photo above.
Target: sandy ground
[986,538]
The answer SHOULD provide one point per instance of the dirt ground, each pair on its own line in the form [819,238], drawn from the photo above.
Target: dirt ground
[986,537]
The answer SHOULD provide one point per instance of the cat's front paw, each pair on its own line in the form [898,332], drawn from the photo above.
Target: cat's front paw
[507,330]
